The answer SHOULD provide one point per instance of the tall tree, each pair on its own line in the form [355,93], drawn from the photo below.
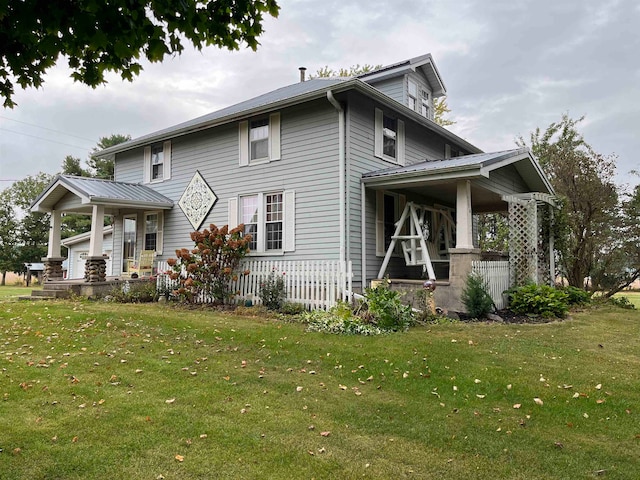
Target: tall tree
[101,167]
[440,109]
[98,37]
[8,237]
[352,71]
[584,180]
[71,166]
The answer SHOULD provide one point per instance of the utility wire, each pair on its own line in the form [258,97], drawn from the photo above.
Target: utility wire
[47,140]
[46,128]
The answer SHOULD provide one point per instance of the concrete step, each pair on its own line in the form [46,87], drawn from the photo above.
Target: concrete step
[45,292]
[56,286]
[28,297]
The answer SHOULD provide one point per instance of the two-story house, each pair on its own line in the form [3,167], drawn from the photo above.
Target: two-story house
[323,170]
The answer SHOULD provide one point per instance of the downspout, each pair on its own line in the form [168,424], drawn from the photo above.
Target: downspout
[341,167]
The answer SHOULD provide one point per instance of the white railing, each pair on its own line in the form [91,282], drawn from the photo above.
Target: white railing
[496,277]
[315,284]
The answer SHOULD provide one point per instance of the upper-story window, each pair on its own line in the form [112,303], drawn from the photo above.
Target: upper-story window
[157,162]
[259,140]
[425,110]
[412,94]
[389,137]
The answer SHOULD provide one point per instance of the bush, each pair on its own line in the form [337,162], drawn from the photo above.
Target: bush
[384,308]
[540,300]
[475,297]
[621,302]
[289,308]
[339,320]
[208,269]
[273,291]
[576,296]
[135,292]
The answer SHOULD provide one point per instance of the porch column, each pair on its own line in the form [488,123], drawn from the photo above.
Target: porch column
[97,227]
[54,234]
[464,217]
[96,265]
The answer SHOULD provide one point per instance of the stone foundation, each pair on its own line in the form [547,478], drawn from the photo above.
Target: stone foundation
[53,269]
[95,269]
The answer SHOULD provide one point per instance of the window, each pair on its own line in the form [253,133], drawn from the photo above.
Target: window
[450,152]
[153,231]
[157,162]
[268,217]
[424,106]
[412,94]
[389,137]
[389,134]
[259,140]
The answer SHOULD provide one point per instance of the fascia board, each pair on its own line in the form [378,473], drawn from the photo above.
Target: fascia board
[128,203]
[414,178]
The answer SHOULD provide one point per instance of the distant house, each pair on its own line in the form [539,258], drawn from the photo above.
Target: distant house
[321,170]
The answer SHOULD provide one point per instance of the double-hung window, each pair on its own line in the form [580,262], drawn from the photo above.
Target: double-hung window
[268,217]
[259,140]
[157,162]
[412,95]
[389,137]
[153,231]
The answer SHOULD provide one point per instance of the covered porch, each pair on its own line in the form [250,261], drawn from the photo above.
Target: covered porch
[433,235]
[99,199]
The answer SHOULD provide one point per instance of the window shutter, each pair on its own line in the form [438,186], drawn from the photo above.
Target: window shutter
[378,134]
[401,144]
[166,152]
[243,142]
[447,150]
[289,197]
[274,136]
[380,251]
[232,219]
[146,174]
[160,231]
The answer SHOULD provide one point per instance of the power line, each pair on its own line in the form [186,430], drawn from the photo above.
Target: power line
[46,128]
[46,139]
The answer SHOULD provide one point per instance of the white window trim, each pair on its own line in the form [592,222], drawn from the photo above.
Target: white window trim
[159,238]
[288,221]
[379,139]
[244,152]
[166,164]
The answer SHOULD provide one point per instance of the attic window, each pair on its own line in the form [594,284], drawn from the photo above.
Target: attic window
[412,93]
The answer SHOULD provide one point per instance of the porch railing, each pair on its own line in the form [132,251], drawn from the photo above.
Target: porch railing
[496,277]
[315,284]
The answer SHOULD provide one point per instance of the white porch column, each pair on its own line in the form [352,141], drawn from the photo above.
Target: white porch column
[464,218]
[97,227]
[54,234]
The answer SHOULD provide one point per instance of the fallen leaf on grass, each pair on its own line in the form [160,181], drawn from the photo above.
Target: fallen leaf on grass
[538,401]
[74,439]
[170,401]
[179,458]
[598,386]
[480,396]
[517,405]
[299,389]
[325,434]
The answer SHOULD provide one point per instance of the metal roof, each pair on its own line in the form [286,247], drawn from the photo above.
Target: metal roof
[300,92]
[95,191]
[479,164]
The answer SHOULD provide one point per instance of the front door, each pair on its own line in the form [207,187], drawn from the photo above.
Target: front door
[129,240]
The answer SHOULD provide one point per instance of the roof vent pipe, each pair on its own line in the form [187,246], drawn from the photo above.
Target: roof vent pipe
[303,70]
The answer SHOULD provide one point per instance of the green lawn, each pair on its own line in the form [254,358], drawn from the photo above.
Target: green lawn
[95,390]
[12,292]
[634,297]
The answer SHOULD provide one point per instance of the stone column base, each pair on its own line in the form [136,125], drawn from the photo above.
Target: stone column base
[459,269]
[95,269]
[53,269]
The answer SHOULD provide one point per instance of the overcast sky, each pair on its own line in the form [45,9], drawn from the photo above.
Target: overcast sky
[509,66]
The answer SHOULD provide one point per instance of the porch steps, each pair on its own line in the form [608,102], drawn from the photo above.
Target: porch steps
[50,291]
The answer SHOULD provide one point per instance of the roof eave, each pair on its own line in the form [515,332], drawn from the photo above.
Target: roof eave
[413,177]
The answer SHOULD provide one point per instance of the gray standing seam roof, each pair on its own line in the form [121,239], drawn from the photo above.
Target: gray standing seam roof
[109,190]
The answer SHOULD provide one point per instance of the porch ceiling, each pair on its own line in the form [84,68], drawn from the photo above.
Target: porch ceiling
[71,194]
[444,193]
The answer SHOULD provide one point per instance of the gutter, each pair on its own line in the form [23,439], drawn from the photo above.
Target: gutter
[341,169]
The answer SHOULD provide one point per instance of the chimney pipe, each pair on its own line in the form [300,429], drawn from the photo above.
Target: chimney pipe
[302,73]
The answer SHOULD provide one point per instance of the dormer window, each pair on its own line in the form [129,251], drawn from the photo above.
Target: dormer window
[412,94]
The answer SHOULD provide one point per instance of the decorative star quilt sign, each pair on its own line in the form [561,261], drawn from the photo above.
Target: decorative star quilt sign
[197,200]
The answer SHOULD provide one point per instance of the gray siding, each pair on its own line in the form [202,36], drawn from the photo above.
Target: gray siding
[393,87]
[309,165]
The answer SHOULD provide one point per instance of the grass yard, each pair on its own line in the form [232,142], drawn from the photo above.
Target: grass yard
[634,297]
[95,390]
[13,292]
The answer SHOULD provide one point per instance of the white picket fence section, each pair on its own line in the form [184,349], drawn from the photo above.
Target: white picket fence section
[315,284]
[496,277]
